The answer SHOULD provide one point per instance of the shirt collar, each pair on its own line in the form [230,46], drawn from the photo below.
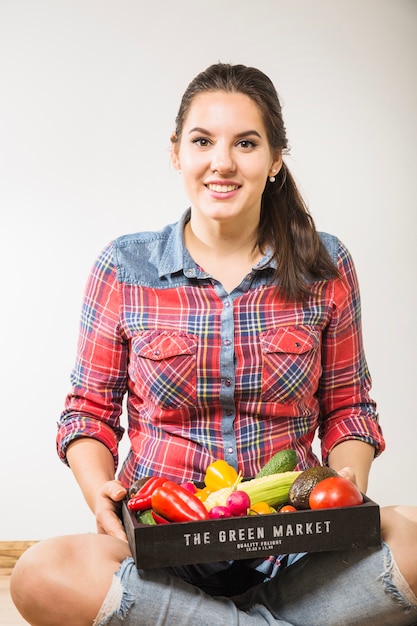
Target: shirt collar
[175,257]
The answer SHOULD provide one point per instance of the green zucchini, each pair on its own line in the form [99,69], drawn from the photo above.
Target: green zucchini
[282,461]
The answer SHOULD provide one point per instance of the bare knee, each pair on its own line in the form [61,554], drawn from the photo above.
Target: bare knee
[65,576]
[399,531]
[28,586]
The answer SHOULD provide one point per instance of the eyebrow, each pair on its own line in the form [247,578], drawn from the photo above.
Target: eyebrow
[204,131]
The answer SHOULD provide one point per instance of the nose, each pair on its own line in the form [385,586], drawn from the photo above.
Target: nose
[222,159]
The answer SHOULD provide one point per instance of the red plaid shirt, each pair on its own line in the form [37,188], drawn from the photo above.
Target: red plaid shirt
[209,374]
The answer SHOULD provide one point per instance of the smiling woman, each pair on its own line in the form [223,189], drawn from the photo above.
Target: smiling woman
[235,333]
[237,120]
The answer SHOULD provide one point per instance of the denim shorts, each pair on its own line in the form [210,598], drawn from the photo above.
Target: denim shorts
[360,587]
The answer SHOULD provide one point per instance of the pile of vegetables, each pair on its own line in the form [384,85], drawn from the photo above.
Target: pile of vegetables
[224,494]
[277,487]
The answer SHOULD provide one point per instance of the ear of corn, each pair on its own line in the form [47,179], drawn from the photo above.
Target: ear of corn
[218,498]
[273,489]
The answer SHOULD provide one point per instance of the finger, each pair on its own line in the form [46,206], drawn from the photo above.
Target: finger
[115,490]
[110,524]
[347,472]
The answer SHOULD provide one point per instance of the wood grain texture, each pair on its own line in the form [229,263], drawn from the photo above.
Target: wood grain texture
[10,552]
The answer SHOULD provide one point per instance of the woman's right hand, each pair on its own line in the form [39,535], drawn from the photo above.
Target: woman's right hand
[93,466]
[108,504]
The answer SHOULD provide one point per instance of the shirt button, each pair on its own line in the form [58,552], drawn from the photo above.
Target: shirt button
[227,382]
[227,304]
[230,450]
[229,413]
[157,352]
[227,342]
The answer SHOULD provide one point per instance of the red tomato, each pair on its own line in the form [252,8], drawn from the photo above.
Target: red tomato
[335,491]
[287,508]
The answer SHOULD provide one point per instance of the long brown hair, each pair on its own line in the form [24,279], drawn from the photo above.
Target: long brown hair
[286,226]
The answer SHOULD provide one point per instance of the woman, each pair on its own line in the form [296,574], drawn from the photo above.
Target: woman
[235,332]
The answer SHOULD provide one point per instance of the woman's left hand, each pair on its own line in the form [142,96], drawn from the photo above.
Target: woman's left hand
[349,473]
[352,459]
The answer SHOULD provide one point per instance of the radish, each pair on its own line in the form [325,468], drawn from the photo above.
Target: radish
[239,503]
[189,486]
[220,512]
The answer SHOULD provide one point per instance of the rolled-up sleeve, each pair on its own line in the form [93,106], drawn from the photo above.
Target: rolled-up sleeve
[346,409]
[99,378]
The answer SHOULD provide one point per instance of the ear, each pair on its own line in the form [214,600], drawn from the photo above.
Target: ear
[175,160]
[276,164]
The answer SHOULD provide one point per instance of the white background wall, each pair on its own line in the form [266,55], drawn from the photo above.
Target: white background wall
[89,90]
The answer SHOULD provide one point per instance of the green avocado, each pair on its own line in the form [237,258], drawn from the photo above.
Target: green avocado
[304,484]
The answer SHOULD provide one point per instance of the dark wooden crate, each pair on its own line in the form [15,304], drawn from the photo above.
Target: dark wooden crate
[252,536]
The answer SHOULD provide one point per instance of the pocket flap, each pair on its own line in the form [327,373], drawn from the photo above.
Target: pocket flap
[159,345]
[289,339]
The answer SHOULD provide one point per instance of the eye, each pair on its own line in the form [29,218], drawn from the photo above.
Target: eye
[203,142]
[247,144]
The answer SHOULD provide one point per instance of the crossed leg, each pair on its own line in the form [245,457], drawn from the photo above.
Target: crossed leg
[65,576]
[70,576]
[399,531]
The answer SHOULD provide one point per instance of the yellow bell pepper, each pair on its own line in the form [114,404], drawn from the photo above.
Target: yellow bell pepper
[202,494]
[220,474]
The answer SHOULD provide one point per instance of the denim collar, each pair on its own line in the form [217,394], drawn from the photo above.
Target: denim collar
[176,257]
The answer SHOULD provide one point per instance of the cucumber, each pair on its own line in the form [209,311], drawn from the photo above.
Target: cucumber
[145,517]
[282,461]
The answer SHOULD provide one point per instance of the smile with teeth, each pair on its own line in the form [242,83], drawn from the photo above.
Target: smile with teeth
[222,188]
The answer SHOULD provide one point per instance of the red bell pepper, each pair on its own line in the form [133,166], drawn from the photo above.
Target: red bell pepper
[158,518]
[177,504]
[142,499]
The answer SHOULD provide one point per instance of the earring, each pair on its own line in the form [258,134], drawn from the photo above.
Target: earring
[272,178]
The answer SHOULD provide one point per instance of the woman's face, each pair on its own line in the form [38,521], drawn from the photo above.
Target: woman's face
[224,156]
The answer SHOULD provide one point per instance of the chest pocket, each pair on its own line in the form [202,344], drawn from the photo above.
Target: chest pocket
[164,367]
[291,365]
